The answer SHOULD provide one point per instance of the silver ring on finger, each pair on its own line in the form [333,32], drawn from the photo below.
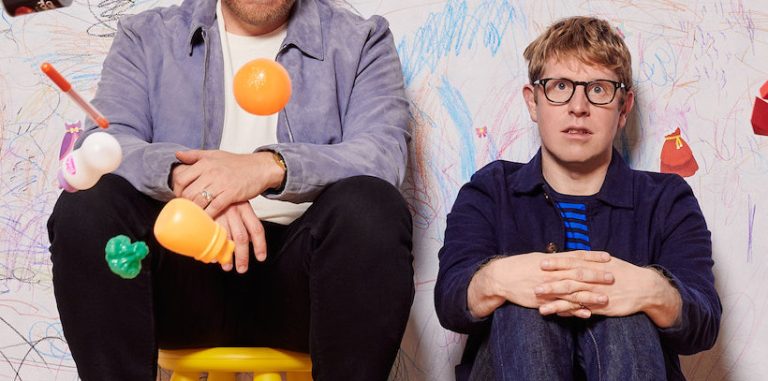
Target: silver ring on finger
[207,196]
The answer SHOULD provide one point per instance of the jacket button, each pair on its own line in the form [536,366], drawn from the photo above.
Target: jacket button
[551,247]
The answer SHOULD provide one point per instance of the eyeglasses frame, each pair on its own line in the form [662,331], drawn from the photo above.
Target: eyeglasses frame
[616,86]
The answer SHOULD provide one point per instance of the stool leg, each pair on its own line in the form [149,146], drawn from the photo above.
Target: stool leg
[298,376]
[221,376]
[267,377]
[185,376]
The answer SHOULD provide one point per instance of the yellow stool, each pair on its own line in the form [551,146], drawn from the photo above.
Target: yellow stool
[223,363]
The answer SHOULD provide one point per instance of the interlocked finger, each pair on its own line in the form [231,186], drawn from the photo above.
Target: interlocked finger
[573,259]
[583,274]
[586,299]
[560,287]
[559,306]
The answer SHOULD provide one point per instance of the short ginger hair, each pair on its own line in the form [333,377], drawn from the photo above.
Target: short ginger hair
[590,40]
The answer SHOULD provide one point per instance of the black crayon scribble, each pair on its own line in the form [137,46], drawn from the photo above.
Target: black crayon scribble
[17,365]
[108,12]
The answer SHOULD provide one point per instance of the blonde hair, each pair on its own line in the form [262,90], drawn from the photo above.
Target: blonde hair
[590,40]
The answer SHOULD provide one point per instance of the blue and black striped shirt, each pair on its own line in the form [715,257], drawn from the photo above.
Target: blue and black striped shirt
[576,225]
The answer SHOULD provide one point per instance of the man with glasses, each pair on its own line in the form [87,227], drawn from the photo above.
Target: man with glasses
[574,266]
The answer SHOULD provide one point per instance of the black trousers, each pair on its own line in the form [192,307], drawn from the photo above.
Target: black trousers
[337,283]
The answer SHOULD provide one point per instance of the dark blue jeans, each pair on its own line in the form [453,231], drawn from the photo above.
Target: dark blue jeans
[523,345]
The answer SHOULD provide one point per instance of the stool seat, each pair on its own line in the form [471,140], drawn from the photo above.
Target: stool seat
[222,363]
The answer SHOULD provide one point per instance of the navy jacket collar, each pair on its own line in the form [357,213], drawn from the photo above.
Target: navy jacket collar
[304,26]
[617,189]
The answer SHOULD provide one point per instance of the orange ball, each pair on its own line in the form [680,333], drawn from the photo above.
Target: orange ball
[262,87]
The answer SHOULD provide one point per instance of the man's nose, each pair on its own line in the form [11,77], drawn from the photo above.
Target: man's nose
[579,104]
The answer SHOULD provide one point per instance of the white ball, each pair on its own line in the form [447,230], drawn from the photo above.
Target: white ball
[102,152]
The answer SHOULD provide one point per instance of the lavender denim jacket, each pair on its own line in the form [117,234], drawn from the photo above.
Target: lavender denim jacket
[162,88]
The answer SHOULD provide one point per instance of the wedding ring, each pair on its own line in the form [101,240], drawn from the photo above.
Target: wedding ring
[207,196]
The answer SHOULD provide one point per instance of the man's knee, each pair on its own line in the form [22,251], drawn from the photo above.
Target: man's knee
[369,206]
[636,327]
[625,347]
[528,321]
[102,198]
[522,340]
[366,193]
[113,206]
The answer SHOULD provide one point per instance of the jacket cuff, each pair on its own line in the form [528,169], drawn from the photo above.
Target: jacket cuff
[678,328]
[464,321]
[290,183]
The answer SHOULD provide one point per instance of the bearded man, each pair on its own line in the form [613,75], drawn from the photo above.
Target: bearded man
[322,260]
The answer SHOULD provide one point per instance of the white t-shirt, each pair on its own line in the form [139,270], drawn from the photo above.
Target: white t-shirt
[243,131]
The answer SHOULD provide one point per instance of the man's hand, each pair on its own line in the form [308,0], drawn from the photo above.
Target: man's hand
[231,180]
[228,178]
[635,289]
[243,227]
[514,278]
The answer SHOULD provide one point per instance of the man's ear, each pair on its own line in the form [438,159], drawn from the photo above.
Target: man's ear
[626,108]
[529,94]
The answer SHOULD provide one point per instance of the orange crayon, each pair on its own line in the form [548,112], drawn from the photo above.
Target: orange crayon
[66,87]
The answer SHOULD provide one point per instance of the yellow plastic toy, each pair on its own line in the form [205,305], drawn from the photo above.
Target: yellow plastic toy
[223,363]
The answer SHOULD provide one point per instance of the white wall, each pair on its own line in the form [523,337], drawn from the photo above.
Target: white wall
[697,65]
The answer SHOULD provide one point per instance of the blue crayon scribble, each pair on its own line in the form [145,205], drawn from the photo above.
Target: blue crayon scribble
[458,110]
[454,30]
[660,69]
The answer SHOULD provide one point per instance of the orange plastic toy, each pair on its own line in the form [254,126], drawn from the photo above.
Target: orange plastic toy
[262,87]
[184,228]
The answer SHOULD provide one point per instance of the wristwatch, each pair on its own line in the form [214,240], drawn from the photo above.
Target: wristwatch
[281,162]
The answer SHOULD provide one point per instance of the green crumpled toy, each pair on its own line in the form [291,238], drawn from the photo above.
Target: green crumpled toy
[123,257]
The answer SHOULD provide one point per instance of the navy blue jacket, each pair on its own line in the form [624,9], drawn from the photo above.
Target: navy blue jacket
[644,218]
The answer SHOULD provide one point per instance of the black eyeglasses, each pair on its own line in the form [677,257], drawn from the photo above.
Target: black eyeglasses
[560,90]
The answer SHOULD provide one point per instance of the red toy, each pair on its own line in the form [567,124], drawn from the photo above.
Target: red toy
[760,112]
[677,157]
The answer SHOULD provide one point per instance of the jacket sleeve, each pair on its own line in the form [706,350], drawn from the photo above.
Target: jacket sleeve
[123,97]
[375,127]
[686,258]
[470,241]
